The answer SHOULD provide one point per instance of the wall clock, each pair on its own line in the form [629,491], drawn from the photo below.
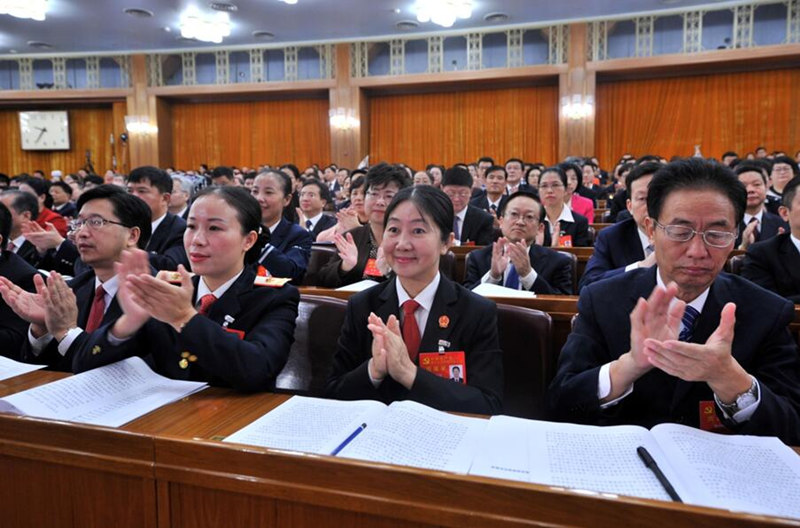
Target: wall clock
[44,130]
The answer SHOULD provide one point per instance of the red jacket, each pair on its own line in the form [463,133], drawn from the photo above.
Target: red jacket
[58,221]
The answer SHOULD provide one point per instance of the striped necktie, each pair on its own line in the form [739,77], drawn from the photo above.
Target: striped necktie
[689,318]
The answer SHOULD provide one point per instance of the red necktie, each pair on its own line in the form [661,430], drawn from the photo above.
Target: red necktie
[97,309]
[205,303]
[410,329]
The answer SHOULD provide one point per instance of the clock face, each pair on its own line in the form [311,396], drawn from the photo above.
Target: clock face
[44,130]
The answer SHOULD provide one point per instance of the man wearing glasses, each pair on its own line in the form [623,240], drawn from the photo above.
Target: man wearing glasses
[680,342]
[61,314]
[514,260]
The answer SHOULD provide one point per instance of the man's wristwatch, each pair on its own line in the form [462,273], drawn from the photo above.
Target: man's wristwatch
[742,401]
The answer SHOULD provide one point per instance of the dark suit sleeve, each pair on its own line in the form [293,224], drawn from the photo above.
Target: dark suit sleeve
[756,268]
[582,238]
[293,262]
[474,274]
[485,230]
[61,260]
[559,279]
[349,378]
[332,276]
[599,265]
[171,252]
[484,359]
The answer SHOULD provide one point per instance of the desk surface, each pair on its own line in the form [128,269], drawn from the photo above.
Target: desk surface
[178,474]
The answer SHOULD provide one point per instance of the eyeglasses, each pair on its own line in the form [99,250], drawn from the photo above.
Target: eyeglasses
[680,233]
[548,186]
[515,217]
[94,222]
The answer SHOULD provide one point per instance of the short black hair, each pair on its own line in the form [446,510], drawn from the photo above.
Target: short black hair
[156,177]
[695,174]
[40,187]
[5,227]
[515,160]
[559,171]
[292,168]
[248,213]
[221,171]
[789,161]
[4,180]
[648,157]
[324,192]
[63,186]
[93,178]
[789,192]
[751,166]
[23,201]
[574,167]
[385,173]
[431,202]
[131,210]
[729,153]
[283,180]
[486,159]
[458,176]
[494,168]
[357,182]
[524,194]
[640,171]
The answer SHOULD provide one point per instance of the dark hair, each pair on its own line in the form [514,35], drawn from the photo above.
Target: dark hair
[63,186]
[4,179]
[751,166]
[431,202]
[559,171]
[222,171]
[357,183]
[695,174]
[248,213]
[790,162]
[524,194]
[640,171]
[23,202]
[761,147]
[648,157]
[486,159]
[567,166]
[283,179]
[131,210]
[458,176]
[5,227]
[515,160]
[494,168]
[324,192]
[93,178]
[789,192]
[40,187]
[385,173]
[157,178]
[729,153]
[292,168]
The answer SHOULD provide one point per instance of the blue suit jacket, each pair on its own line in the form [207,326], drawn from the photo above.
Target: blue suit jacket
[762,345]
[265,316]
[616,247]
[471,327]
[291,249]
[553,269]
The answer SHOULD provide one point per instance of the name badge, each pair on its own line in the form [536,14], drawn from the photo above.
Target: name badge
[372,270]
[447,365]
[709,421]
[565,241]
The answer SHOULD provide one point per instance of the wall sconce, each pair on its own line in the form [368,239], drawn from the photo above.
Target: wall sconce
[343,119]
[577,106]
[139,125]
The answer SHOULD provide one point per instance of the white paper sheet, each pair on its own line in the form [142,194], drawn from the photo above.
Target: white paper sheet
[10,368]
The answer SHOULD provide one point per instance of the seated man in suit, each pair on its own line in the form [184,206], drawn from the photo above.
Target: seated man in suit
[62,315]
[494,197]
[472,227]
[566,228]
[514,260]
[12,327]
[515,170]
[758,224]
[165,246]
[705,349]
[314,196]
[24,210]
[625,245]
[775,263]
[61,193]
[183,190]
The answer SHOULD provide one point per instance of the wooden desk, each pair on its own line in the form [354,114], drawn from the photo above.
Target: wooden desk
[167,469]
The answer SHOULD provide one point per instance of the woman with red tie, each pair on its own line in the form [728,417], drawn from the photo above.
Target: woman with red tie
[402,338]
[216,326]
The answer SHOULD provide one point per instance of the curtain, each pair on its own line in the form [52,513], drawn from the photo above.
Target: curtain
[251,133]
[451,127]
[719,112]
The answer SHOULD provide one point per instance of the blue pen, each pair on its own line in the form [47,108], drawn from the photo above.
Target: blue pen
[349,439]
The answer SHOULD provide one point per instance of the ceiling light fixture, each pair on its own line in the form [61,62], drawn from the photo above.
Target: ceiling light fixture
[443,12]
[205,27]
[290,2]
[34,9]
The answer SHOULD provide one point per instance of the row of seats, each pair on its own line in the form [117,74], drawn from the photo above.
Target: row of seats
[526,355]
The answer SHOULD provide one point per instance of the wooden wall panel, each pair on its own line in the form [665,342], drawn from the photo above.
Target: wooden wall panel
[446,128]
[250,133]
[720,112]
[90,129]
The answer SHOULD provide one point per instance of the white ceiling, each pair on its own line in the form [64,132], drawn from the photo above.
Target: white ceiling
[81,26]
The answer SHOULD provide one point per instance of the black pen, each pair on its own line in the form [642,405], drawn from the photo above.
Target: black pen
[349,439]
[652,466]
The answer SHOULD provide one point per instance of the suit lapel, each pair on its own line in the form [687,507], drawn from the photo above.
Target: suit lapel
[229,303]
[159,234]
[633,247]
[442,318]
[388,303]
[278,236]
